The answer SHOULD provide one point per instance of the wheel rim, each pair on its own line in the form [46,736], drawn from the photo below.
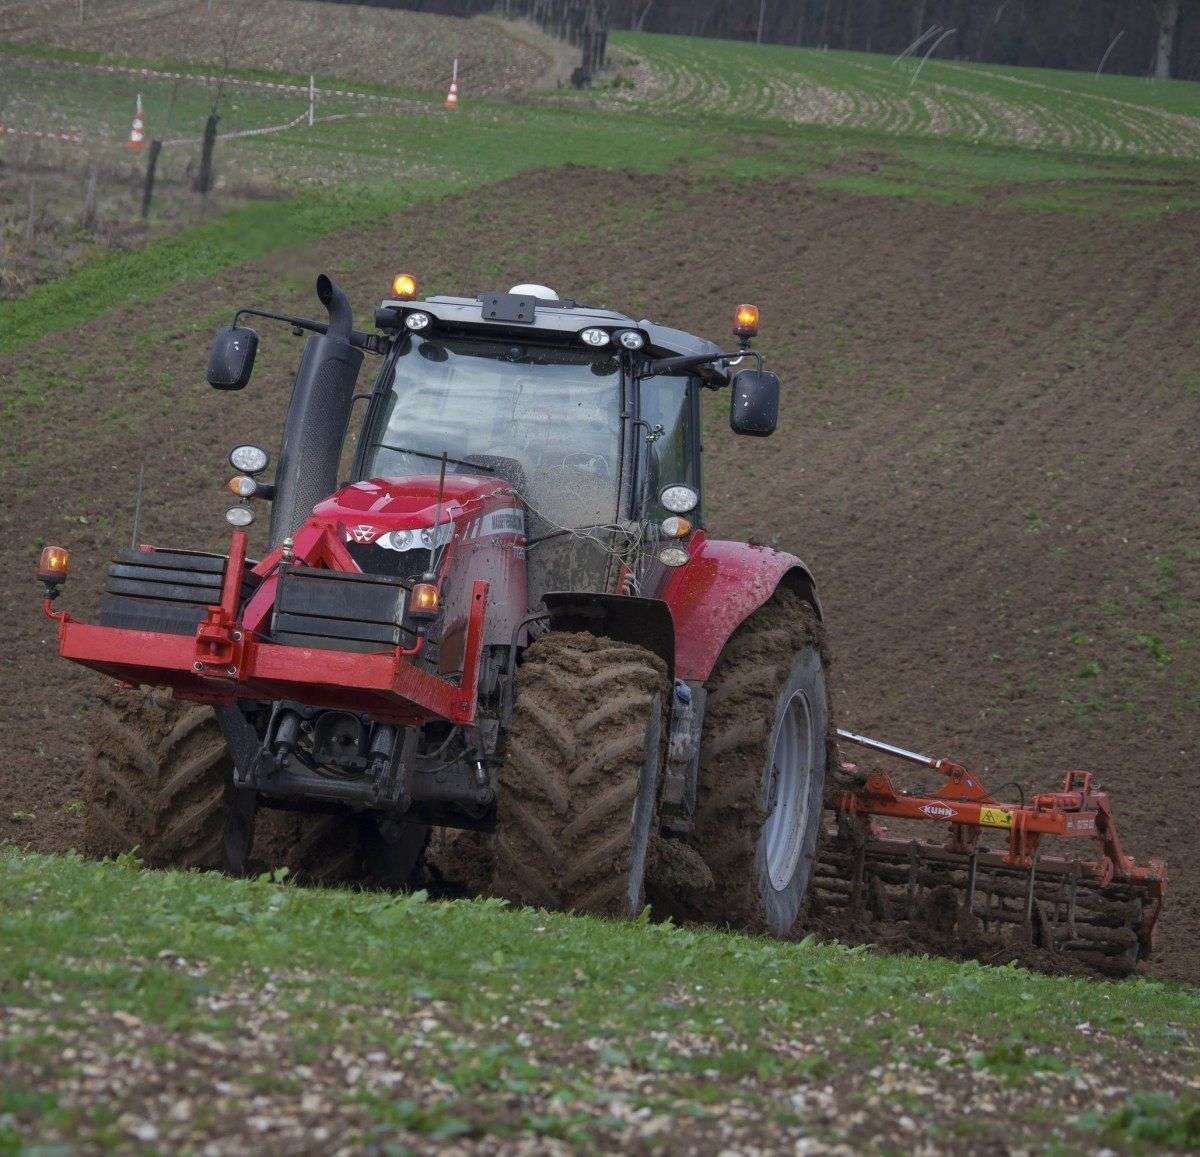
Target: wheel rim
[791,768]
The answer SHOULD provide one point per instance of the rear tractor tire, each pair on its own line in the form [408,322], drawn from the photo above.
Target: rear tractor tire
[580,782]
[765,748]
[158,779]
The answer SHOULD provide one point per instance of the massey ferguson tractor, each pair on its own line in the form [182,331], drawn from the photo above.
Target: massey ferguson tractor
[506,618]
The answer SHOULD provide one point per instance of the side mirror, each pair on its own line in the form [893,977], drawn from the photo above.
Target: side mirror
[754,403]
[231,360]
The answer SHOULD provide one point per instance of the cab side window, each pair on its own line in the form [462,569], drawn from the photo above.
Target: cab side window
[667,402]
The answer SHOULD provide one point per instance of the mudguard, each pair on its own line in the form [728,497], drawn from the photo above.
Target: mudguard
[633,620]
[717,589]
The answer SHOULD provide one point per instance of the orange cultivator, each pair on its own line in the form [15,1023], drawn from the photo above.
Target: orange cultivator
[1102,911]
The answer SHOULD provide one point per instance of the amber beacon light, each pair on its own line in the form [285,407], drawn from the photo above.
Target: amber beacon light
[54,563]
[745,321]
[404,286]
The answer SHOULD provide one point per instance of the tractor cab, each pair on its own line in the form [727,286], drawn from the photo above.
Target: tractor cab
[586,413]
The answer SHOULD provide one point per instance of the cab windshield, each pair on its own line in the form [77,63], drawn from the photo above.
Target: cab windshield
[544,418]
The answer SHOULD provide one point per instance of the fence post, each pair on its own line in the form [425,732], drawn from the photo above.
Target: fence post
[88,219]
[204,179]
[148,183]
[312,99]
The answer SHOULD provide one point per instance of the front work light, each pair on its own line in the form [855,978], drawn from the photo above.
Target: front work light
[745,321]
[404,286]
[417,320]
[594,336]
[54,563]
[425,601]
[679,499]
[249,459]
[631,339]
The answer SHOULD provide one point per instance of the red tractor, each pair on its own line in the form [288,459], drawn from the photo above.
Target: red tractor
[511,621]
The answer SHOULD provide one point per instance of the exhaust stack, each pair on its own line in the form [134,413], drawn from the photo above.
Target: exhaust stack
[317,416]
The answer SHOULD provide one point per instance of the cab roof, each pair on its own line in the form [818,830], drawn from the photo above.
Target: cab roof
[518,313]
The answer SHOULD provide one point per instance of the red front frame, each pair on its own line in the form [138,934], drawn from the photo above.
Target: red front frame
[227,659]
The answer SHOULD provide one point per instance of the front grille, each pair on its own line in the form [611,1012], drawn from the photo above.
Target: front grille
[408,564]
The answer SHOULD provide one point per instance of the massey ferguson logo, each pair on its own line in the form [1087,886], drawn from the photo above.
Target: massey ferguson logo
[936,809]
[362,533]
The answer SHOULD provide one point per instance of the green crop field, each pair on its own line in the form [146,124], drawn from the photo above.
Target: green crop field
[1118,116]
[233,1010]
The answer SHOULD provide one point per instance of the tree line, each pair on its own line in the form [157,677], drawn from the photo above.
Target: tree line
[1158,38]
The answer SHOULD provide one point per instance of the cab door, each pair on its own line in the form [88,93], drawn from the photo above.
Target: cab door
[669,431]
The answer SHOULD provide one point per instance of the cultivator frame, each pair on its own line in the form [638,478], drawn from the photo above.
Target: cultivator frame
[1101,911]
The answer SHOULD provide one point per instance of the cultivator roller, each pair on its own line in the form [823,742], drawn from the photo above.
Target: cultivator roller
[1099,912]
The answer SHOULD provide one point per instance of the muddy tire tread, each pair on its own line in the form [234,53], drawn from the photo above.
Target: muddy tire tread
[742,692]
[573,761]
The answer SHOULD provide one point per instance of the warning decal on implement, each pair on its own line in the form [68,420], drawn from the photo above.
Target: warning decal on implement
[994,817]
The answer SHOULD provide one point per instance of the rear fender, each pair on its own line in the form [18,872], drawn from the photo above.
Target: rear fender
[717,589]
[646,622]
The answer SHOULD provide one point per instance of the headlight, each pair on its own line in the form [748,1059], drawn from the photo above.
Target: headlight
[679,499]
[239,516]
[596,337]
[425,539]
[417,320]
[398,540]
[249,459]
[631,339]
[672,556]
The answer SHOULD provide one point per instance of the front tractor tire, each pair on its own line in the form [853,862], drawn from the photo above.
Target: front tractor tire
[764,751]
[157,781]
[581,776]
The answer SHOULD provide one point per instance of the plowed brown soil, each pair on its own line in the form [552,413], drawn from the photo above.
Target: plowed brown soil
[988,455]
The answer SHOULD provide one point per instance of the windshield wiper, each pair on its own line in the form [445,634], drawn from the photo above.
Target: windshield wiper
[434,457]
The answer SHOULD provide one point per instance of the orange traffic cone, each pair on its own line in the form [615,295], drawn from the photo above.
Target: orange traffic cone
[452,95]
[137,134]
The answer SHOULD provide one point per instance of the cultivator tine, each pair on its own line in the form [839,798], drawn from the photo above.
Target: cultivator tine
[1029,895]
[913,887]
[857,874]
[967,908]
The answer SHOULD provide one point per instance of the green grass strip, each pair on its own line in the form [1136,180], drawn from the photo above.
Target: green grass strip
[231,239]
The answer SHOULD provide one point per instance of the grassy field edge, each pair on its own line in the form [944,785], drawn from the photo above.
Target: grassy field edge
[231,238]
[545,1011]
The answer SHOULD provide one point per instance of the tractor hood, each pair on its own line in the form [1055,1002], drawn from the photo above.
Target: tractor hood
[369,509]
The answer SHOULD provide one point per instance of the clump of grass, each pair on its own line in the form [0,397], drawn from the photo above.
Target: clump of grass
[1157,1119]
